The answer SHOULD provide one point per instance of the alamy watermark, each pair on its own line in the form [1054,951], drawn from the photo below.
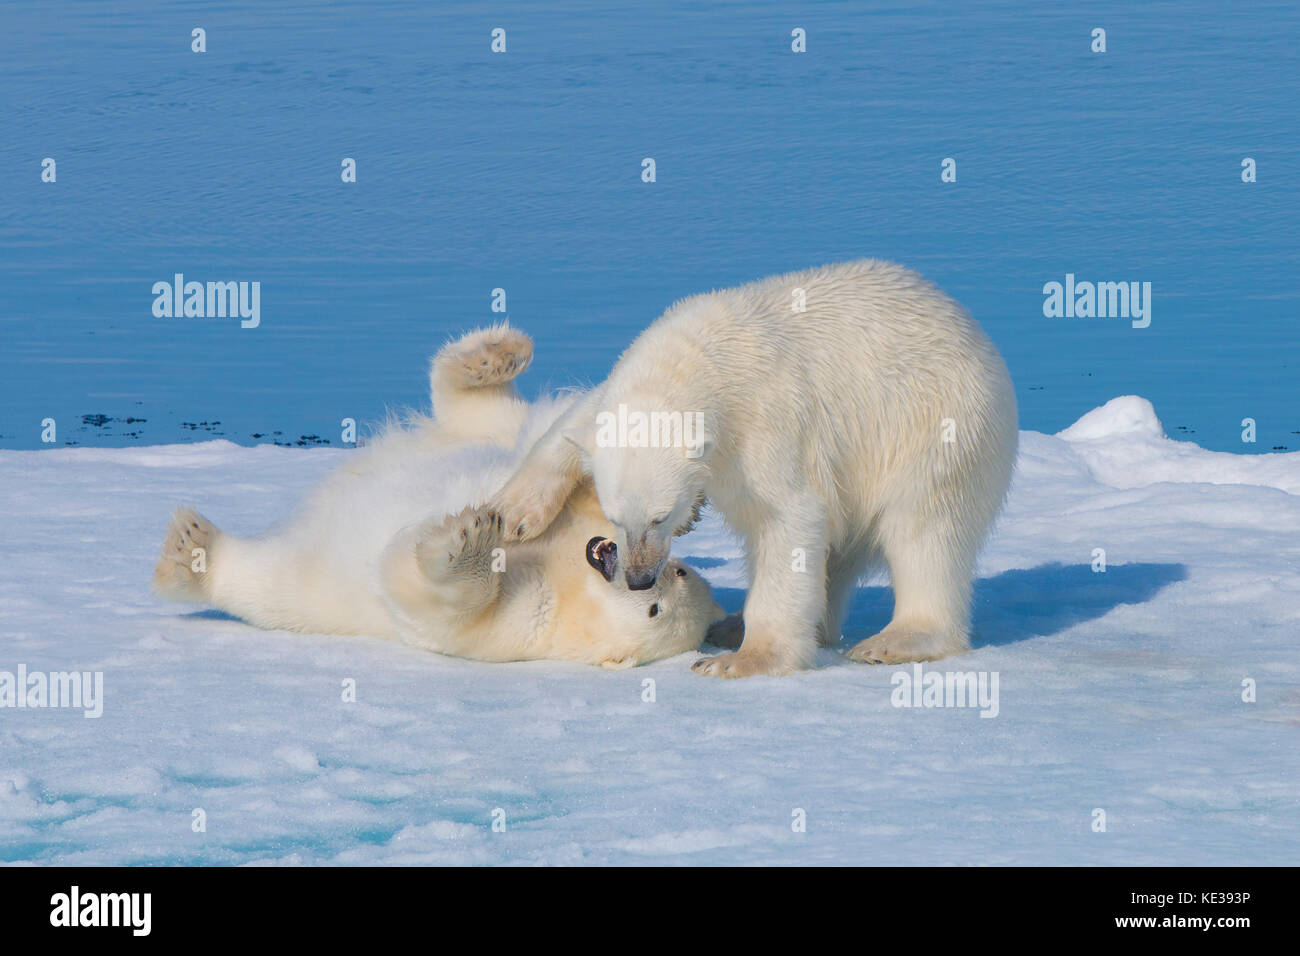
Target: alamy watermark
[1102,300]
[922,688]
[635,429]
[212,300]
[73,689]
[130,910]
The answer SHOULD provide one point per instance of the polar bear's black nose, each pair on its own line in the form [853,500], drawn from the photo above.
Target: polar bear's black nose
[640,580]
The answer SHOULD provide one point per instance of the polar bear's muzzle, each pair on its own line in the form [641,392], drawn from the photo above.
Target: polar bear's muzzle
[642,567]
[641,580]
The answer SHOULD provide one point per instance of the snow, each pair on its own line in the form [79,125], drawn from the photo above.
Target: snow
[1147,457]
[1119,690]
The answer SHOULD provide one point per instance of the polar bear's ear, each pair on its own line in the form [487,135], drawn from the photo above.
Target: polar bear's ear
[696,508]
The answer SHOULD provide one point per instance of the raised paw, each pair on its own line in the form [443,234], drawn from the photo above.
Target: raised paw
[526,521]
[182,567]
[487,357]
[526,509]
[460,541]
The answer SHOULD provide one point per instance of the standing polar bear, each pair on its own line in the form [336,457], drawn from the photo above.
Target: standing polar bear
[391,544]
[852,414]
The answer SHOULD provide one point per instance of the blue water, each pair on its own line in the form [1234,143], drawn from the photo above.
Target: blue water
[523,171]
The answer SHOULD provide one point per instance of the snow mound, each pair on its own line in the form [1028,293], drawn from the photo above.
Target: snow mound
[1126,415]
[1123,444]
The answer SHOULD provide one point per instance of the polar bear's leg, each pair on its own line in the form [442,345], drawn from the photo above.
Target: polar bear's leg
[260,580]
[535,494]
[930,569]
[787,596]
[472,384]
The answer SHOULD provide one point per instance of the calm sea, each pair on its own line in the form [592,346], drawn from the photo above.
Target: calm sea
[522,171]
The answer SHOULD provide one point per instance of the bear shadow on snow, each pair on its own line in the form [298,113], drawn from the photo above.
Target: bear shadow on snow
[212,614]
[1013,606]
[1010,607]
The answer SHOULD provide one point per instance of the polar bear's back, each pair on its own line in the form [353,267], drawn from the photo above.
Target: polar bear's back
[861,387]
[894,350]
[854,315]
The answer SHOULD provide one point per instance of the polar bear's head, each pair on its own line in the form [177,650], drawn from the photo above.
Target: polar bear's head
[623,627]
[650,467]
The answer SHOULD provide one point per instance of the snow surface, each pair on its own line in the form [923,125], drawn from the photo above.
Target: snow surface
[1119,691]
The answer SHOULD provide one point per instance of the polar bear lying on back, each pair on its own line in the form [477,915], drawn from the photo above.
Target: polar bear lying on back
[372,550]
[876,425]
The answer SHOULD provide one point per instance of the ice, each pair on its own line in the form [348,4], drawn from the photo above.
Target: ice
[1120,691]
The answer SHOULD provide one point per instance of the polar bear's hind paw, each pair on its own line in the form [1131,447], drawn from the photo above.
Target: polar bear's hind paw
[492,357]
[182,569]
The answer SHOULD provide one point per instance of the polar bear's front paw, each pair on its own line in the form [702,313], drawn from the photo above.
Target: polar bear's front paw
[742,663]
[460,542]
[491,357]
[527,510]
[904,645]
[526,520]
[479,528]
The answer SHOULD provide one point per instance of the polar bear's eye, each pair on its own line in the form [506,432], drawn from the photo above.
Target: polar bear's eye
[654,610]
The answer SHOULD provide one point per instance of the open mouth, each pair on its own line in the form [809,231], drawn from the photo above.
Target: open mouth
[602,554]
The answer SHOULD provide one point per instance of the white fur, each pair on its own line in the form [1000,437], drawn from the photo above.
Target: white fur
[827,431]
[393,543]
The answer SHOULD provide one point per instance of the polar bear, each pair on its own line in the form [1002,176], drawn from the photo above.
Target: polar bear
[373,551]
[852,414]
